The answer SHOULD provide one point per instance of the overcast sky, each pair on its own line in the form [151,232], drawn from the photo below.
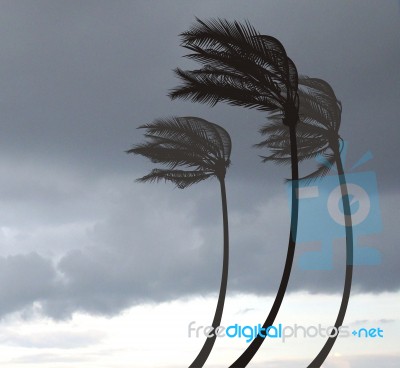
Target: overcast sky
[78,235]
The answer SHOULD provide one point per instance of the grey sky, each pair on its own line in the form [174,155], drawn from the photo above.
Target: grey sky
[79,77]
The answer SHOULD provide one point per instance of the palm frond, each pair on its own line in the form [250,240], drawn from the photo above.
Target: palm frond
[322,169]
[211,88]
[239,70]
[171,157]
[235,38]
[320,102]
[180,130]
[181,178]
[318,85]
[284,154]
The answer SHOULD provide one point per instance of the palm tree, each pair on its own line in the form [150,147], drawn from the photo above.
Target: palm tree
[244,68]
[318,135]
[192,149]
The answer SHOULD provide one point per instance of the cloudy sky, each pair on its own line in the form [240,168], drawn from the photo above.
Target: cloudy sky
[99,271]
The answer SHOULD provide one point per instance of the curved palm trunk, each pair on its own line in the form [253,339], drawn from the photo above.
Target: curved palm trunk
[209,343]
[322,355]
[249,353]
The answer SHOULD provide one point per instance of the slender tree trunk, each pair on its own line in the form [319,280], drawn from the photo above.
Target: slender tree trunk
[209,343]
[252,349]
[322,355]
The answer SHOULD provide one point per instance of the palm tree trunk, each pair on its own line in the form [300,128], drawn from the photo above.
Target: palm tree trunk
[249,353]
[209,343]
[322,355]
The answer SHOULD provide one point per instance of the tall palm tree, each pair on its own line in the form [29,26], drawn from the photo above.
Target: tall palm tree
[192,149]
[245,68]
[318,135]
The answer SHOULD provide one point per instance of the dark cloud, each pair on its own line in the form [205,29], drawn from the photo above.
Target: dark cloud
[150,245]
[25,279]
[78,78]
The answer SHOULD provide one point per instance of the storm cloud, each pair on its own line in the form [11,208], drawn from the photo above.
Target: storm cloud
[78,234]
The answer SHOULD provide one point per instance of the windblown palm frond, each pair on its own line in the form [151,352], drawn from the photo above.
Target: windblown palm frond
[191,149]
[181,178]
[221,37]
[317,130]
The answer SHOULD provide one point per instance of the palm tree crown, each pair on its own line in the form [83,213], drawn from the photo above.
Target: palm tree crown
[317,132]
[240,66]
[191,149]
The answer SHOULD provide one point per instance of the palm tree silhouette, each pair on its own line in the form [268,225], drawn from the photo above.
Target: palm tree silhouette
[244,68]
[318,135]
[192,149]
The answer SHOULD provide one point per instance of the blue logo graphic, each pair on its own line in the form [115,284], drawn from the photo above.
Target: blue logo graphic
[321,216]
[365,333]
